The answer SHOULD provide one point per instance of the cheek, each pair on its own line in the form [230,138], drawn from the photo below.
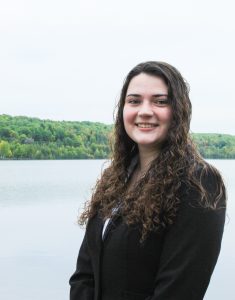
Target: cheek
[128,117]
[168,116]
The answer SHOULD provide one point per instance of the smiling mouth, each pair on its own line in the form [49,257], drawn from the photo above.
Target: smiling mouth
[146,125]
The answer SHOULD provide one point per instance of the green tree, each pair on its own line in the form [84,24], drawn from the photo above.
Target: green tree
[5,150]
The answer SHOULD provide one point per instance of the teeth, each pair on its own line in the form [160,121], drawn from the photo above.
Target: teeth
[144,125]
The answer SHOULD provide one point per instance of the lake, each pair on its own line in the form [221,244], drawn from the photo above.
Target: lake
[39,205]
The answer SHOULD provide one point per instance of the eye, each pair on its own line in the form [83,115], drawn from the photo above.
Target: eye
[133,101]
[161,102]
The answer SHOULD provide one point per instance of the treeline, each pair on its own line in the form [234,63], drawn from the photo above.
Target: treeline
[214,145]
[32,138]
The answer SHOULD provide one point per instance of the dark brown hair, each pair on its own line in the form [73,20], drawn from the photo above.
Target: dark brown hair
[154,201]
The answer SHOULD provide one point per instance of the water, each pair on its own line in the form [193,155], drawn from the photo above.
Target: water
[39,203]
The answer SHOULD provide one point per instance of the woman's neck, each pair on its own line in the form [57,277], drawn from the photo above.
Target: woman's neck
[146,156]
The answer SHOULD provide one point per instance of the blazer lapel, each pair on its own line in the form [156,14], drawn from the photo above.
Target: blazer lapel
[113,222]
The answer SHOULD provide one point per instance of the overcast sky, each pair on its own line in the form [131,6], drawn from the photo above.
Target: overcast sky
[67,59]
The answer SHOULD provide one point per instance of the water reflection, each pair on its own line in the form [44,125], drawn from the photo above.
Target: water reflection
[39,236]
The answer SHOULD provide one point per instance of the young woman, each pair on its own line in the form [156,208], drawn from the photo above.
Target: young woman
[155,220]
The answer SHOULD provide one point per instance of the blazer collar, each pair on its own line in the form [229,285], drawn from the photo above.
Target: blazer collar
[114,219]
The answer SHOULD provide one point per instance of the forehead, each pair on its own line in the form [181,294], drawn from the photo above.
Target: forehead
[146,84]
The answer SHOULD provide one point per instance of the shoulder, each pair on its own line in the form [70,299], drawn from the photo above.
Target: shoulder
[209,176]
[202,208]
[205,188]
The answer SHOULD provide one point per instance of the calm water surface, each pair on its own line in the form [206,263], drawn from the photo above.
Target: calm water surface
[39,203]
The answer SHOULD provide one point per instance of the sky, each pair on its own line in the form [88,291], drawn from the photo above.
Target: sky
[67,59]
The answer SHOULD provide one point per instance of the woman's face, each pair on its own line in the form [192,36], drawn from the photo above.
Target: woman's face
[147,113]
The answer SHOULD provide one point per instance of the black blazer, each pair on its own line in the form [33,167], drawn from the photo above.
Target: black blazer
[173,264]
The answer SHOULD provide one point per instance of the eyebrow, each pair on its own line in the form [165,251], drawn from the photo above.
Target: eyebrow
[137,95]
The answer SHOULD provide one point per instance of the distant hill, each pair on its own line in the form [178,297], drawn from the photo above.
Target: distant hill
[31,138]
[215,145]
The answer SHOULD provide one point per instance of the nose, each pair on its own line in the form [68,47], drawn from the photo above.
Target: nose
[145,110]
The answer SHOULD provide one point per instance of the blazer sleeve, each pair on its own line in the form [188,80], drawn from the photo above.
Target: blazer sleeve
[190,251]
[82,281]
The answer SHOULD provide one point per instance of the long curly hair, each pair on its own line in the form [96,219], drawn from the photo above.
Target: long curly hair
[154,200]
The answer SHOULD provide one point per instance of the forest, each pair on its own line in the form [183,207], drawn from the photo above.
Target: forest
[32,138]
